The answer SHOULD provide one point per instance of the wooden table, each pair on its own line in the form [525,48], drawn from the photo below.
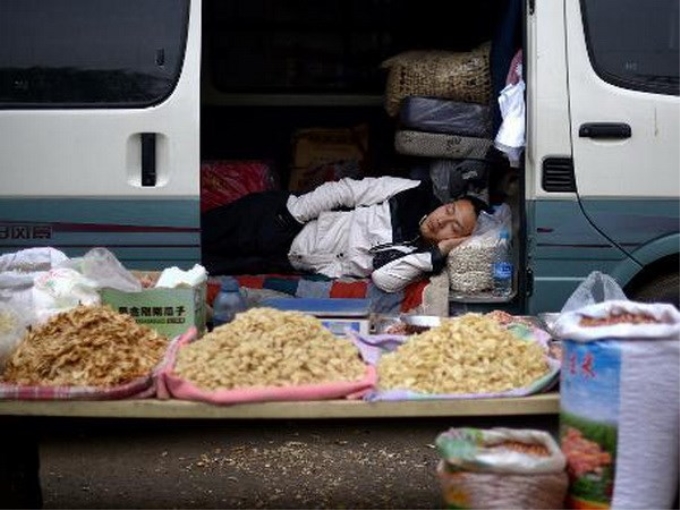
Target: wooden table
[172,409]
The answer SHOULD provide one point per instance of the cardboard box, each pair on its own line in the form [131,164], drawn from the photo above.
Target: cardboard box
[169,311]
[327,154]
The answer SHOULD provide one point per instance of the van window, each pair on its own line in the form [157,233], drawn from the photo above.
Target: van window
[90,53]
[634,43]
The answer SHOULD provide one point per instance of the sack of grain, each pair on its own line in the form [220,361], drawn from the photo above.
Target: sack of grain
[469,264]
[500,468]
[620,403]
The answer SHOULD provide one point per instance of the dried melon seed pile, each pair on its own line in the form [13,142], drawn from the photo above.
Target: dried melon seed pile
[268,347]
[85,346]
[466,354]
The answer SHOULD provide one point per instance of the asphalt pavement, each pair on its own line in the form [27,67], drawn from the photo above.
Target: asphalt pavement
[377,463]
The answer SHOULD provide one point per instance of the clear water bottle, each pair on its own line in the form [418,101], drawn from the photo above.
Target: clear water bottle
[228,302]
[502,266]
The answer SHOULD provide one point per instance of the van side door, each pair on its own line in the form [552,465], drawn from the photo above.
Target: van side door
[99,124]
[623,64]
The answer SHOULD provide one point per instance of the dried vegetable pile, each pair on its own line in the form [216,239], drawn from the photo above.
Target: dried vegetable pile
[267,347]
[85,346]
[467,354]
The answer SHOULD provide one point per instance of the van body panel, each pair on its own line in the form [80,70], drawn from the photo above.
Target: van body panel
[564,249]
[567,247]
[645,256]
[163,230]
[548,127]
[82,166]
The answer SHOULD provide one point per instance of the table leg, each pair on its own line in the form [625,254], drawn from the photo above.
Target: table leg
[19,465]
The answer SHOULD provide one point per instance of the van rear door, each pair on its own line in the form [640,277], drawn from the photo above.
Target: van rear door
[99,123]
[623,85]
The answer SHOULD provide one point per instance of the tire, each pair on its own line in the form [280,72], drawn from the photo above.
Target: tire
[663,288]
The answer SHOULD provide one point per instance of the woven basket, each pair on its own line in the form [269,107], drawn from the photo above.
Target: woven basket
[469,489]
[461,76]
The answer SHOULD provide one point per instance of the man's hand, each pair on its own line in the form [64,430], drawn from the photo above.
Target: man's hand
[447,245]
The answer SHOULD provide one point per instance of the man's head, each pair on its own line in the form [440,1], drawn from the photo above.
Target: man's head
[454,220]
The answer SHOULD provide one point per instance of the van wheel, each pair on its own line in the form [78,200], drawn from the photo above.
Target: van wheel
[663,288]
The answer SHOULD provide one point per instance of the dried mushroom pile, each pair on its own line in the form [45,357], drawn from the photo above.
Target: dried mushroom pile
[268,347]
[466,354]
[85,346]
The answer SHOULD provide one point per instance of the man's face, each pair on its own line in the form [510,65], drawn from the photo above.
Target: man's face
[449,221]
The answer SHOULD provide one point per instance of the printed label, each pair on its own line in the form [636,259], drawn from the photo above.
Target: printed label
[502,270]
[589,411]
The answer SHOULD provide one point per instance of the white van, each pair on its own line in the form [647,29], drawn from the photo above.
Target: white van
[108,107]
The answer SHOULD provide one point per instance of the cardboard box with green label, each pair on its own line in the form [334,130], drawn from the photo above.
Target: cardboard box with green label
[171,312]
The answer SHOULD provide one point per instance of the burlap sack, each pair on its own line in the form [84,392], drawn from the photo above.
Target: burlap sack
[461,76]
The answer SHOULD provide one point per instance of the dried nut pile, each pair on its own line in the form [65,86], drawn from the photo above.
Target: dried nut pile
[268,347]
[534,449]
[627,318]
[469,266]
[85,346]
[466,354]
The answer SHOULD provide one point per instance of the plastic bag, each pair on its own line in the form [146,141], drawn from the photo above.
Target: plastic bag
[452,178]
[510,138]
[596,288]
[481,450]
[619,403]
[17,272]
[13,322]
[501,468]
[61,289]
[102,267]
[438,115]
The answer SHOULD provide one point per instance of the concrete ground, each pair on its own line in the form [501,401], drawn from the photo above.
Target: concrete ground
[378,463]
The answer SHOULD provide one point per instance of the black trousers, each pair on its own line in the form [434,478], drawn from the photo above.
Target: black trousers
[249,236]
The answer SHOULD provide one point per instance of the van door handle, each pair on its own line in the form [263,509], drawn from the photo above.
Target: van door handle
[605,130]
[148,159]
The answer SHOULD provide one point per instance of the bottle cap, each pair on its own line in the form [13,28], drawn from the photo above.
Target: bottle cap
[229,284]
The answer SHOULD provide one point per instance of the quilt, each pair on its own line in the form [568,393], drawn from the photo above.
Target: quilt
[428,296]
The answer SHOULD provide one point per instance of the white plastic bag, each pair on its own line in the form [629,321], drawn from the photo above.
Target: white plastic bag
[477,450]
[619,403]
[101,266]
[61,289]
[13,322]
[17,272]
[596,288]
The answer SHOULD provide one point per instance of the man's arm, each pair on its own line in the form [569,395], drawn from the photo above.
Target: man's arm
[397,274]
[394,270]
[346,193]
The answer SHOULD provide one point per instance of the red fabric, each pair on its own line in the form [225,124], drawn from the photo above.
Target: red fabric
[251,282]
[225,181]
[413,295]
[349,289]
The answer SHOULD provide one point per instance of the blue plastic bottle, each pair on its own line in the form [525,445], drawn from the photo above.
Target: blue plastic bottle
[502,266]
[228,302]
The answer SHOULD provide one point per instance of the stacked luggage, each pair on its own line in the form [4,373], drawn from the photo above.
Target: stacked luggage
[441,102]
